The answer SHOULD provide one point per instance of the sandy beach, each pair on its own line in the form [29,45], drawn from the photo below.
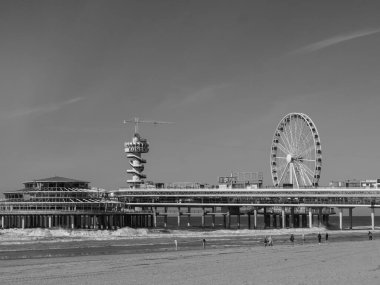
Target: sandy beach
[347,262]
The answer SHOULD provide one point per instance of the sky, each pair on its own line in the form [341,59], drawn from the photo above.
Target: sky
[225,72]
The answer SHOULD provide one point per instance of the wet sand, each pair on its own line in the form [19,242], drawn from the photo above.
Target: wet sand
[244,261]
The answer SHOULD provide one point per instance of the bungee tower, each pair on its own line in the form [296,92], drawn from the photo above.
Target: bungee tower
[134,149]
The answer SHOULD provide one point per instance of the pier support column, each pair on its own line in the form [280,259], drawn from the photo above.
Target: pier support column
[179,217]
[2,222]
[300,223]
[255,218]
[154,217]
[203,217]
[95,222]
[228,220]
[319,217]
[188,216]
[72,222]
[265,217]
[373,218]
[213,217]
[238,221]
[49,222]
[23,222]
[310,218]
[224,221]
[283,222]
[350,215]
[249,220]
[340,218]
[166,217]
[291,218]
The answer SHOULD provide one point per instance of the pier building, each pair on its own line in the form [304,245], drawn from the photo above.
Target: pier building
[67,203]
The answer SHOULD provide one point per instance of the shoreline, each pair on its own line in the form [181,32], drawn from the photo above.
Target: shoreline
[47,247]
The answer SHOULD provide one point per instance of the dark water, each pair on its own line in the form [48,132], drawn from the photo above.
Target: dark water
[196,222]
[357,221]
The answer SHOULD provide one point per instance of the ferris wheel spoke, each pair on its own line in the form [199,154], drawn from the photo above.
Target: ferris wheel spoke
[308,137]
[295,176]
[291,136]
[303,125]
[281,166]
[299,130]
[301,174]
[287,140]
[282,175]
[307,150]
[308,174]
[305,175]
[295,133]
[307,178]
[309,160]
[283,148]
[307,169]
[281,157]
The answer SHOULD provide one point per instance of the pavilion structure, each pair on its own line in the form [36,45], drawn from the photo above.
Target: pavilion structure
[67,203]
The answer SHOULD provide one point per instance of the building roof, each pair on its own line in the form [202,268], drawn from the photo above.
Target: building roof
[57,179]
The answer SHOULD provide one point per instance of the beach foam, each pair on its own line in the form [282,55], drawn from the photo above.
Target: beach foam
[39,234]
[20,236]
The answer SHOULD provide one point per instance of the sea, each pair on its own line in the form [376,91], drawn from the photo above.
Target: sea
[59,242]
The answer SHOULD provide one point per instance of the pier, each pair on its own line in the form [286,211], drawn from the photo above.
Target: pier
[281,208]
[54,203]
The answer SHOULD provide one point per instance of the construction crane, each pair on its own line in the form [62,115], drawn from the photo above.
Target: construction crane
[137,121]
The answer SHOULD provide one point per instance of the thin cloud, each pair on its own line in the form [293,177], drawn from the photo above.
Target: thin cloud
[333,41]
[201,96]
[204,94]
[44,109]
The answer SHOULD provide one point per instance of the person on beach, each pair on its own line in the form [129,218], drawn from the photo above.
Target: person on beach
[270,241]
[319,238]
[327,237]
[303,238]
[265,241]
[369,235]
[292,239]
[204,243]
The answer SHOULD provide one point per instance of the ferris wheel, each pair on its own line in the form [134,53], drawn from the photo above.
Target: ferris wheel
[296,154]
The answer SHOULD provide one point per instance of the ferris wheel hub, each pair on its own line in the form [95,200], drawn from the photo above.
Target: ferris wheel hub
[289,158]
